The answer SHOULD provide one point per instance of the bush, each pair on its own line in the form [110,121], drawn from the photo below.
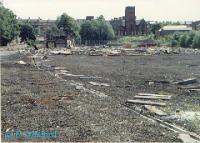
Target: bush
[189,39]
[196,41]
[174,43]
[182,40]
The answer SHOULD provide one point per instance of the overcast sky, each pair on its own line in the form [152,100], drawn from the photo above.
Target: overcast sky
[161,10]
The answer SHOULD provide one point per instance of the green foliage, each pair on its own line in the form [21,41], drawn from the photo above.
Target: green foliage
[155,28]
[9,27]
[68,25]
[27,34]
[98,29]
[182,40]
[196,41]
[189,39]
[174,43]
[186,40]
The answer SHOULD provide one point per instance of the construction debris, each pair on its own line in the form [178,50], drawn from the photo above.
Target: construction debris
[187,139]
[96,53]
[21,62]
[99,84]
[61,52]
[194,89]
[187,81]
[146,102]
[74,75]
[90,77]
[113,53]
[153,97]
[155,110]
[59,68]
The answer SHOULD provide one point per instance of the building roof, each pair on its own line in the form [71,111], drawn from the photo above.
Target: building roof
[138,22]
[176,28]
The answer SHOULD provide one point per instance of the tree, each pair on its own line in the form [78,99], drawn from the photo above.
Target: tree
[98,29]
[196,41]
[68,25]
[155,28]
[9,28]
[189,39]
[27,34]
[182,40]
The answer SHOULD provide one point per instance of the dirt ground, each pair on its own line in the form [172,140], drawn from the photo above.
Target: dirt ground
[34,99]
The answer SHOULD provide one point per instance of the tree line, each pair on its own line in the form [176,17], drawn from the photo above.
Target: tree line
[186,40]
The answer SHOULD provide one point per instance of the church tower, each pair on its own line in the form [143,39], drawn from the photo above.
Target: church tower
[130,20]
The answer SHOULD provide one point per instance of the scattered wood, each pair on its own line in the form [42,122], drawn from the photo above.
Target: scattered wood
[59,68]
[113,53]
[187,81]
[155,110]
[190,87]
[90,77]
[186,138]
[160,82]
[99,84]
[146,102]
[153,97]
[194,89]
[61,52]
[21,62]
[73,75]
[137,54]
[47,83]
[96,53]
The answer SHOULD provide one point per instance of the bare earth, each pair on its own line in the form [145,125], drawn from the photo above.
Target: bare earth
[34,99]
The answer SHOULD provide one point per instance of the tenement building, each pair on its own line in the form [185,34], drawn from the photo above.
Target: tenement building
[128,25]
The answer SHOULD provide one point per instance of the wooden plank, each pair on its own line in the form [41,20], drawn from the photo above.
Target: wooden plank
[187,81]
[186,138]
[194,89]
[146,102]
[156,95]
[153,97]
[155,110]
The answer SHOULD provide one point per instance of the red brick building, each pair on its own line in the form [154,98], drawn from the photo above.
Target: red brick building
[128,25]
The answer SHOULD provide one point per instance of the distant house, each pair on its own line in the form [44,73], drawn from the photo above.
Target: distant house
[196,25]
[174,28]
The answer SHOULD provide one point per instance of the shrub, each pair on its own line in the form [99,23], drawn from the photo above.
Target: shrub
[182,40]
[174,43]
[196,41]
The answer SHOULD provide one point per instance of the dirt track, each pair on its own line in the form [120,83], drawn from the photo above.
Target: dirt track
[31,102]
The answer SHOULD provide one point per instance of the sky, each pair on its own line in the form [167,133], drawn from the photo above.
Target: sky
[151,10]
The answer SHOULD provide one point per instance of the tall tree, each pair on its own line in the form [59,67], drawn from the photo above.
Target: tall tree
[27,34]
[9,28]
[98,29]
[68,25]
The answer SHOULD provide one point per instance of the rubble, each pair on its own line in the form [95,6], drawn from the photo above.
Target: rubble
[153,97]
[142,102]
[155,110]
[21,62]
[99,84]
